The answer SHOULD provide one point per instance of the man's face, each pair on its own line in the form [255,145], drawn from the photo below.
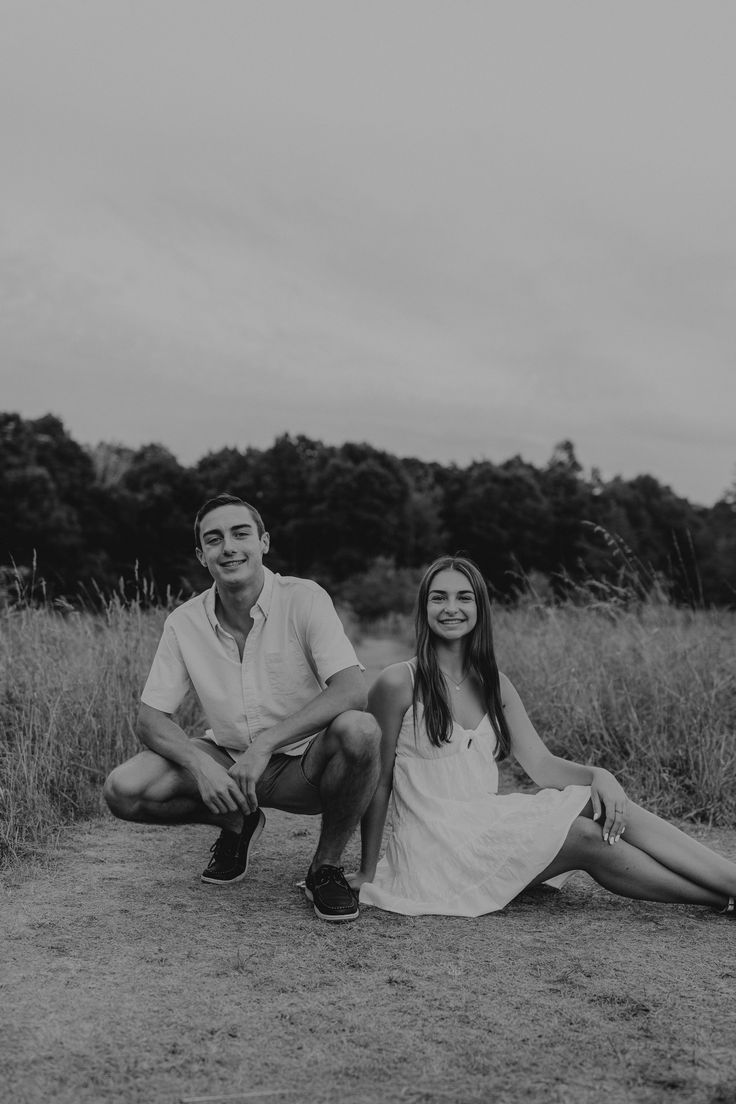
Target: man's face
[231,549]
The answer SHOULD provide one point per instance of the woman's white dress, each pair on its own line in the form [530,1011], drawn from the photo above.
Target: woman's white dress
[454,845]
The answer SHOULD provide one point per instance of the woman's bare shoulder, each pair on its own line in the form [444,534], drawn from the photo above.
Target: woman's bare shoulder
[395,680]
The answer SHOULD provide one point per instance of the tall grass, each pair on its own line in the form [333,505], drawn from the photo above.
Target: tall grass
[69,691]
[645,689]
[648,691]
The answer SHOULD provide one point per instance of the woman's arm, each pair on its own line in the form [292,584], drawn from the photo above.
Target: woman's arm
[388,701]
[550,771]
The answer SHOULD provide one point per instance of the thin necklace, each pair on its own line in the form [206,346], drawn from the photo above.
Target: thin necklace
[452,682]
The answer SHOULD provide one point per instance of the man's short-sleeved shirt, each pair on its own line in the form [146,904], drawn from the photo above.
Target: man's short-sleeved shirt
[296,644]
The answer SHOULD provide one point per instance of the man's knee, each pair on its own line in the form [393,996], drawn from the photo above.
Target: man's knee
[121,793]
[357,735]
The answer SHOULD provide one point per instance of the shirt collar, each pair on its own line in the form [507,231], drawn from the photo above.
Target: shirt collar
[263,600]
[209,607]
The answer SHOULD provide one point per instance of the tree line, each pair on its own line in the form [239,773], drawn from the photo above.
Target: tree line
[358,519]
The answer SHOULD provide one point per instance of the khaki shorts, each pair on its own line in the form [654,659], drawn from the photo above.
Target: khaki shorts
[284,783]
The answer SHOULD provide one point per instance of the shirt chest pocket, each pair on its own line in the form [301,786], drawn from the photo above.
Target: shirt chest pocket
[289,674]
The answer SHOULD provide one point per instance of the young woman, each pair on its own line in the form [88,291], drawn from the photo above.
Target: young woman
[454,845]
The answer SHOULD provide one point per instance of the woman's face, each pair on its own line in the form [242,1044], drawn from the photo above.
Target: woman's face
[452,612]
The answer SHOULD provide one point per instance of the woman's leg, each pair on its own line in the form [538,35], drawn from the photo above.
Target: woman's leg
[625,869]
[680,852]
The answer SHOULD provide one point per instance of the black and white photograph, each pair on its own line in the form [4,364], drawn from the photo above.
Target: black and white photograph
[367,552]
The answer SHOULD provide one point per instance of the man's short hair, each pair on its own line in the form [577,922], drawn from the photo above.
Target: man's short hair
[224,500]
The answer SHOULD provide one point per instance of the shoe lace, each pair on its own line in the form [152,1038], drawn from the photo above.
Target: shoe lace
[223,845]
[328,873]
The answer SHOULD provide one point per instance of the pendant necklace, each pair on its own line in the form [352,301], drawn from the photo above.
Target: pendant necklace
[452,682]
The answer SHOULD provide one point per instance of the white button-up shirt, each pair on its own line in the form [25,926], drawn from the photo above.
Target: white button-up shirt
[297,642]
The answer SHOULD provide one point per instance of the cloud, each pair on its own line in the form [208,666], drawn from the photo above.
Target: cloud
[461,239]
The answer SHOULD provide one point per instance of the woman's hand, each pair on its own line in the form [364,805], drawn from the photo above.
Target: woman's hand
[609,800]
[356,880]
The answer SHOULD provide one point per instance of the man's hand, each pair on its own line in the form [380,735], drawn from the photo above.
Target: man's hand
[219,792]
[608,795]
[246,772]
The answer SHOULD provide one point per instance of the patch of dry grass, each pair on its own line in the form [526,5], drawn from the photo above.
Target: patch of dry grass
[648,691]
[70,684]
[68,697]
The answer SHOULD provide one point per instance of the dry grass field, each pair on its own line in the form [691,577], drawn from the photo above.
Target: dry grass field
[648,691]
[126,979]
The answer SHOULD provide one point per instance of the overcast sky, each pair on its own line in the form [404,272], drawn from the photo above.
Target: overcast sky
[455,230]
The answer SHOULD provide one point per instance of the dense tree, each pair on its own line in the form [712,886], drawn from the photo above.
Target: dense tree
[498,516]
[155,502]
[568,501]
[360,507]
[50,503]
[357,518]
[716,557]
[663,532]
[110,462]
[426,536]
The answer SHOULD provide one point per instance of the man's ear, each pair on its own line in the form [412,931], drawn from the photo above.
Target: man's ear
[265,543]
[200,556]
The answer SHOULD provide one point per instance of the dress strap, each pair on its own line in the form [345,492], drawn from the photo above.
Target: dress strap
[412,670]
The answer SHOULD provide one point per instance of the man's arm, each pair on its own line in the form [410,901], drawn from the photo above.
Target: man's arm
[160,733]
[345,690]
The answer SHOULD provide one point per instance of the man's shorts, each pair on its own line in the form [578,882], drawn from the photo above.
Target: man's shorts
[283,785]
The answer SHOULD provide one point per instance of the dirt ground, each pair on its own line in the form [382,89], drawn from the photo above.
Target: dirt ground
[125,978]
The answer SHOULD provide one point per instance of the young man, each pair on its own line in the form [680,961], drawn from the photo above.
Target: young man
[284,694]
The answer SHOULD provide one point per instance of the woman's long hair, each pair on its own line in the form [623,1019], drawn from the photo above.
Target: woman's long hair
[479,660]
